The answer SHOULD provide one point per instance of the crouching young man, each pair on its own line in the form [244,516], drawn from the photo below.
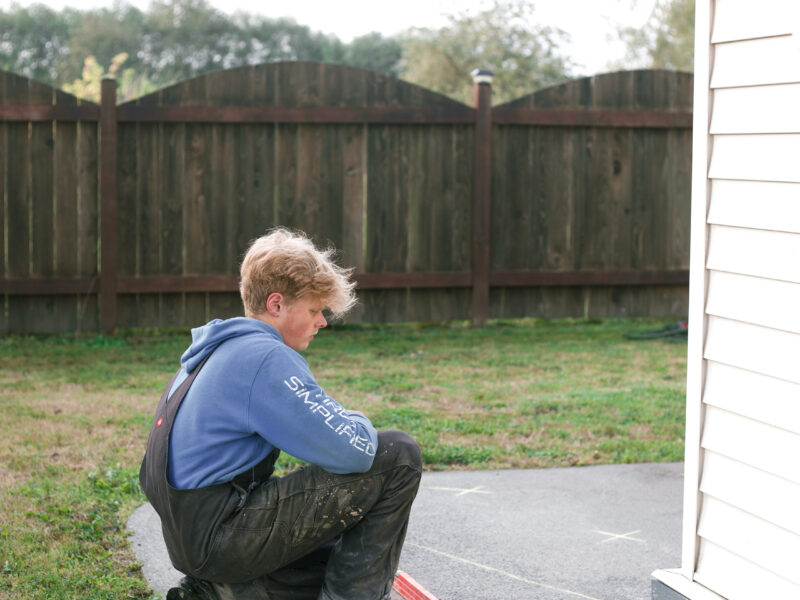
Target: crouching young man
[332,530]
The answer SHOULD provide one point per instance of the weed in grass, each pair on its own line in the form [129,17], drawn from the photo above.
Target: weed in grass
[401,417]
[456,454]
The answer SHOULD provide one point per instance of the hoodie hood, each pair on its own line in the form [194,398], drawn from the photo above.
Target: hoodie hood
[205,339]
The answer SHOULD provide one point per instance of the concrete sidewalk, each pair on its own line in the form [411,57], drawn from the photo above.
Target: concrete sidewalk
[595,533]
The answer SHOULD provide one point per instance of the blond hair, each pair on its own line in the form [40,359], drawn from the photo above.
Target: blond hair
[287,262]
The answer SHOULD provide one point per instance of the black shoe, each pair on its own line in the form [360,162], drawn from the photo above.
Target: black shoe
[192,589]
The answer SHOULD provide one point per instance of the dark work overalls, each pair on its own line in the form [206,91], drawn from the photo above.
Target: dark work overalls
[309,535]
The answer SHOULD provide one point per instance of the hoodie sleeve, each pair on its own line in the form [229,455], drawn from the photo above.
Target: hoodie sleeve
[291,411]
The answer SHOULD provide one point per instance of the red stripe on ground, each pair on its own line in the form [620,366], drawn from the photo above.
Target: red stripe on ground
[410,589]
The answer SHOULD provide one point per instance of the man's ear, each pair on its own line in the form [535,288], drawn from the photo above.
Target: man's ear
[275,303]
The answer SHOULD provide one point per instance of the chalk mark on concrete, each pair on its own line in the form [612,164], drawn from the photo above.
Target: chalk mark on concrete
[619,536]
[461,491]
[501,572]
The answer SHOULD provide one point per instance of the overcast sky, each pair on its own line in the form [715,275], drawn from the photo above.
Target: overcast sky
[591,24]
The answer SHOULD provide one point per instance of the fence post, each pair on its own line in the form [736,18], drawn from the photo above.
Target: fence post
[481,195]
[108,205]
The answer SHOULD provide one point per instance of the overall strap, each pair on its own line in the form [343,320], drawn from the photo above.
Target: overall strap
[174,402]
[152,474]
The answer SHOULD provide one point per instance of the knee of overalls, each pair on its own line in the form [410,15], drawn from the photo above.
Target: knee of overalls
[400,448]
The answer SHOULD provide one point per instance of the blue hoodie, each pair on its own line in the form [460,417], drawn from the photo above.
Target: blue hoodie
[255,394]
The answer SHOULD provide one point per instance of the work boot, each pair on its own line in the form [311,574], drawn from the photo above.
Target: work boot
[192,589]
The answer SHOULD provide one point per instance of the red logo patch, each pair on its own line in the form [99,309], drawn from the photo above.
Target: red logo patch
[160,421]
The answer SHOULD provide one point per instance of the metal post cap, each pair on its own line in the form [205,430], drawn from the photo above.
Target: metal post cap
[482,76]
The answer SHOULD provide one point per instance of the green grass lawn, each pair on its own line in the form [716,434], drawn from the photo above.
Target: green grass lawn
[516,394]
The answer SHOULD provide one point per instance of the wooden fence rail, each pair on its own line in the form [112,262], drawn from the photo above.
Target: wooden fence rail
[570,201]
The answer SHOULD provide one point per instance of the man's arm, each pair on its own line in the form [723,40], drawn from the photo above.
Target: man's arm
[291,411]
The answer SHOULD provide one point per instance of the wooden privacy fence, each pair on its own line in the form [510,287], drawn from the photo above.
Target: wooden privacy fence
[572,201]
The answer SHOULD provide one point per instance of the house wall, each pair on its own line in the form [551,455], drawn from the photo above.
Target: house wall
[741,520]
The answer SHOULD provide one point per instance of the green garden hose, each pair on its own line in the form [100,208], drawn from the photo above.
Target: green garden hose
[674,332]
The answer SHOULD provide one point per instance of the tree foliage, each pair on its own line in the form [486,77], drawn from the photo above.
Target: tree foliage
[505,39]
[129,84]
[185,38]
[667,39]
[177,39]
[34,41]
[171,41]
[103,34]
[375,53]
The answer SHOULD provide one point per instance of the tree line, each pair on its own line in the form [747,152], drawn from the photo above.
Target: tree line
[177,39]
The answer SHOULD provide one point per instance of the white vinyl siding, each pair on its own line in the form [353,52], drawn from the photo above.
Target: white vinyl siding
[764,350]
[771,109]
[755,204]
[736,578]
[769,157]
[756,445]
[771,254]
[764,61]
[736,20]
[753,491]
[733,389]
[771,548]
[742,540]
[767,302]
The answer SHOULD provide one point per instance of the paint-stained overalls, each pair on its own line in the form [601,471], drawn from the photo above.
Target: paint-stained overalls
[308,535]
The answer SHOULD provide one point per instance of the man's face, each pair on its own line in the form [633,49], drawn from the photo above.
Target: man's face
[299,322]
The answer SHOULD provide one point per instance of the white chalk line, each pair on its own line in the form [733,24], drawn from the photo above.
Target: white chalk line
[619,536]
[462,491]
[500,572]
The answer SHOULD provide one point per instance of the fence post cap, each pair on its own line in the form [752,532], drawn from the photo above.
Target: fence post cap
[482,76]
